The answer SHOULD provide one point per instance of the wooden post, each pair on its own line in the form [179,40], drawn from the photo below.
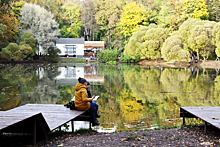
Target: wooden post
[90,125]
[184,118]
[60,128]
[72,124]
[205,127]
[1,136]
[34,132]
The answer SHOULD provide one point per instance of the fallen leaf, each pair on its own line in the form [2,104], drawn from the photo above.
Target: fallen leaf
[60,144]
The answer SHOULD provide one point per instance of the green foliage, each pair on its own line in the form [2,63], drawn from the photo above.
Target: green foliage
[53,55]
[153,41]
[175,50]
[213,7]
[133,16]
[27,51]
[28,45]
[124,58]
[3,37]
[146,42]
[64,33]
[12,52]
[200,39]
[216,38]
[17,8]
[108,55]
[195,9]
[170,16]
[71,18]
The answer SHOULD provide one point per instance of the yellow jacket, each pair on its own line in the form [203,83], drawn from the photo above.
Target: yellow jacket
[82,102]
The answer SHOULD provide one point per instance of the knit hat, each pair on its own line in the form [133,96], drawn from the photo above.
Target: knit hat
[82,80]
[88,83]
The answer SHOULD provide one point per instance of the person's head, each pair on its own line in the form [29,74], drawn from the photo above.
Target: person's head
[88,85]
[82,81]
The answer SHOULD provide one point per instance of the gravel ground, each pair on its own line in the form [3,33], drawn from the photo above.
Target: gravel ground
[181,137]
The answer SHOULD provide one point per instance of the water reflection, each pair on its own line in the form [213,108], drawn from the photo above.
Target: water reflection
[131,97]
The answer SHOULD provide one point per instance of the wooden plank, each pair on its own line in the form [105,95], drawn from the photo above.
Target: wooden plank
[210,115]
[54,115]
[8,120]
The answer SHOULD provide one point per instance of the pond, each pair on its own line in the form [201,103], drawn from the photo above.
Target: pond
[131,97]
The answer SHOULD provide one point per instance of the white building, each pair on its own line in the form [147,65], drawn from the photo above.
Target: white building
[73,47]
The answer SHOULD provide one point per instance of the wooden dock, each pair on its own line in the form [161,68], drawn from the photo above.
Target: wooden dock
[38,119]
[209,115]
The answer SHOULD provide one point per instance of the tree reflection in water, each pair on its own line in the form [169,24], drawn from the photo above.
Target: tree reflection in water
[131,97]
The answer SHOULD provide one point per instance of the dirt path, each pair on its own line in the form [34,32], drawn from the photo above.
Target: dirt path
[201,64]
[187,136]
[157,138]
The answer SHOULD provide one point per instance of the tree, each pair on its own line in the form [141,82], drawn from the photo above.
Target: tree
[213,7]
[26,49]
[10,21]
[200,39]
[216,38]
[65,33]
[135,44]
[53,54]
[5,6]
[28,38]
[37,20]
[146,42]
[133,16]
[12,53]
[153,42]
[17,8]
[170,16]
[71,17]
[28,45]
[3,37]
[174,50]
[107,15]
[195,9]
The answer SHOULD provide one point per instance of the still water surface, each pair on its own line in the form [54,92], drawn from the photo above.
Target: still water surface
[131,97]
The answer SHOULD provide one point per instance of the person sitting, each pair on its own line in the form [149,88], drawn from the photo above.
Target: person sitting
[82,102]
[92,103]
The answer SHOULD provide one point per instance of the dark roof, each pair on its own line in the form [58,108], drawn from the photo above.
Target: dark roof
[70,41]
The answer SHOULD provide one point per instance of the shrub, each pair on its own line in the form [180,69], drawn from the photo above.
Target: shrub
[108,55]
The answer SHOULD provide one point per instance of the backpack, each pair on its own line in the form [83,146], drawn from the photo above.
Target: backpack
[71,105]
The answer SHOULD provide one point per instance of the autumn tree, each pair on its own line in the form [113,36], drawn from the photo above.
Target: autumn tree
[216,38]
[213,7]
[10,21]
[170,16]
[40,22]
[12,52]
[195,9]
[200,39]
[28,45]
[133,16]
[107,15]
[17,6]
[71,20]
[3,37]
[146,42]
[174,49]
[135,44]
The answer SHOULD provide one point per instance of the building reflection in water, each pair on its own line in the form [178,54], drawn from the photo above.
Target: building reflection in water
[70,74]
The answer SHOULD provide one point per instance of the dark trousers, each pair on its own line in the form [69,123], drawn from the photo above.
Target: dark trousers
[94,111]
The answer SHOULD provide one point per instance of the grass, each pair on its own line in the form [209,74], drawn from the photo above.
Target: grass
[74,60]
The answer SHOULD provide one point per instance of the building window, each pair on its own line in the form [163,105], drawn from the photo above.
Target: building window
[70,49]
